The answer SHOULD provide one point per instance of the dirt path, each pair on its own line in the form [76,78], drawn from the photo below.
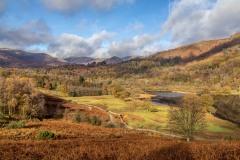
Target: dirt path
[90,107]
[110,113]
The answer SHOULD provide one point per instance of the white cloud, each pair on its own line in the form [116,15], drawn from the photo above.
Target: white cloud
[75,5]
[98,45]
[70,45]
[63,5]
[31,33]
[36,25]
[138,45]
[192,21]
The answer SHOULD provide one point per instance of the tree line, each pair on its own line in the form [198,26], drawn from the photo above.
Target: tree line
[18,98]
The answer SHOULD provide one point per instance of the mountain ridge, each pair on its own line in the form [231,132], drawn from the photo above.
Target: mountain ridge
[199,50]
[15,58]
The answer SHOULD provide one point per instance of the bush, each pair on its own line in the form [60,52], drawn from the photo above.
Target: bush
[158,128]
[94,120]
[44,135]
[78,116]
[16,124]
[108,125]
[1,116]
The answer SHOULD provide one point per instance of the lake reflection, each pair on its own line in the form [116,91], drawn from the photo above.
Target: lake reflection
[167,98]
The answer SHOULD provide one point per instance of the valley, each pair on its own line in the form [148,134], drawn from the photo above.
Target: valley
[107,108]
[147,115]
[119,80]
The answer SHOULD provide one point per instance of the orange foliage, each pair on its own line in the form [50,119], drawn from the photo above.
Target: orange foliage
[82,141]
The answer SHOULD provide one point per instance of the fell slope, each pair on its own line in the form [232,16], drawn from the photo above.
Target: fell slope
[21,59]
[113,60]
[199,51]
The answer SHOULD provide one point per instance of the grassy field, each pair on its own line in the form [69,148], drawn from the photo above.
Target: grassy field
[141,118]
[112,103]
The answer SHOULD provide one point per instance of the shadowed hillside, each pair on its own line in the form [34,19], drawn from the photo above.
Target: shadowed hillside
[21,59]
[199,51]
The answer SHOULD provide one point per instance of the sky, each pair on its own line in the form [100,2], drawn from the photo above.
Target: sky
[106,28]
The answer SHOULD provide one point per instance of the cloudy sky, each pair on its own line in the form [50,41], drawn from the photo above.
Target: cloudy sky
[104,28]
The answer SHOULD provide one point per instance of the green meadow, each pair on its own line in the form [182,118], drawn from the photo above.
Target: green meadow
[142,118]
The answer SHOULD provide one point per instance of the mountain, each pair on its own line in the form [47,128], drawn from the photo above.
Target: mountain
[199,51]
[22,59]
[80,60]
[113,60]
[128,58]
[88,60]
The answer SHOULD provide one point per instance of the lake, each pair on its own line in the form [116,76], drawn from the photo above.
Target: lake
[166,98]
[228,106]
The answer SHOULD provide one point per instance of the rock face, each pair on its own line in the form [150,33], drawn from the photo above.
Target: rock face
[22,59]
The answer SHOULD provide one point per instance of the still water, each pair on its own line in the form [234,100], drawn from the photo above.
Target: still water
[166,98]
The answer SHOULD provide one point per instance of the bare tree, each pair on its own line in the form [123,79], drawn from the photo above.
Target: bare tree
[189,118]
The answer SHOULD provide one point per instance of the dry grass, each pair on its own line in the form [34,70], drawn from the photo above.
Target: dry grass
[146,96]
[118,149]
[83,141]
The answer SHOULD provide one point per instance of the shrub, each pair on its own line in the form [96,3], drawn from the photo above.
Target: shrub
[78,116]
[108,125]
[229,138]
[44,135]
[158,128]
[16,124]
[94,120]
[1,116]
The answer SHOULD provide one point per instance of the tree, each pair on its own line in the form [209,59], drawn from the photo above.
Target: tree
[208,101]
[189,118]
[104,89]
[81,80]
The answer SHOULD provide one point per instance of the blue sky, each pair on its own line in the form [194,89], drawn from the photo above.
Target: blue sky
[105,28]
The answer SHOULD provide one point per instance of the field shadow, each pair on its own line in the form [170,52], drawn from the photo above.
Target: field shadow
[215,50]
[34,126]
[179,151]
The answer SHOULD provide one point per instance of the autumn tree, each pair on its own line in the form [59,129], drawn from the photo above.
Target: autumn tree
[104,89]
[18,98]
[208,102]
[188,118]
